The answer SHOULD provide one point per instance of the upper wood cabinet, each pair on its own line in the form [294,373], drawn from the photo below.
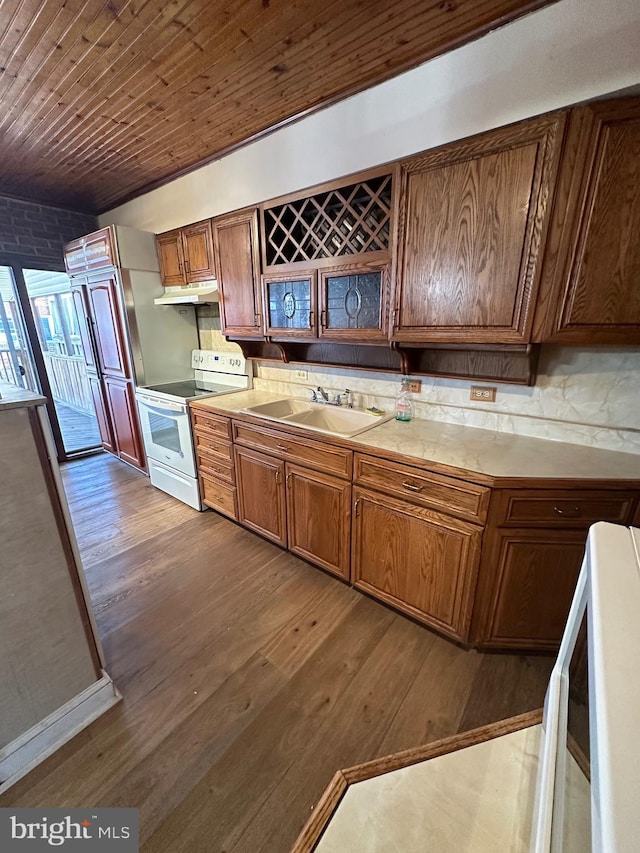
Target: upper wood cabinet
[236,246]
[590,290]
[186,254]
[472,224]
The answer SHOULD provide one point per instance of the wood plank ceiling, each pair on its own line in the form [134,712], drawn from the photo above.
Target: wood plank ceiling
[100,101]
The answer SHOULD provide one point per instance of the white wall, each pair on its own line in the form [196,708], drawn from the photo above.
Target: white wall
[568,52]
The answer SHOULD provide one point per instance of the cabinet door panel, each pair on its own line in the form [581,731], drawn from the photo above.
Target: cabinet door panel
[108,329]
[235,240]
[420,561]
[474,220]
[353,302]
[261,497]
[124,418]
[466,227]
[102,413]
[290,305]
[170,258]
[590,281]
[198,251]
[528,578]
[319,518]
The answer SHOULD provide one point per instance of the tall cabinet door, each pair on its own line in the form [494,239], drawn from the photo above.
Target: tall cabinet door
[108,327]
[124,415]
[237,260]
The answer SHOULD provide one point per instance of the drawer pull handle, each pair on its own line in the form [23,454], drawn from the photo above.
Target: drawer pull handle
[356,508]
[278,478]
[412,487]
[289,476]
[568,512]
[282,447]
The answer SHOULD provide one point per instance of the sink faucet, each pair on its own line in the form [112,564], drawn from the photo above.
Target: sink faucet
[323,394]
[347,395]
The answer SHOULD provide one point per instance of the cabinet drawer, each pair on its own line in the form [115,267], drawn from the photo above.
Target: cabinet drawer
[218,496]
[213,466]
[211,424]
[565,508]
[327,458]
[437,491]
[211,444]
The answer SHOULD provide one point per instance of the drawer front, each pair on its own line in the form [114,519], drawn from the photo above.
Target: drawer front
[327,458]
[565,508]
[218,496]
[210,444]
[214,425]
[456,497]
[215,467]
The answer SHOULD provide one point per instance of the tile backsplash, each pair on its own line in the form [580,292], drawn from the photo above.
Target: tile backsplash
[581,396]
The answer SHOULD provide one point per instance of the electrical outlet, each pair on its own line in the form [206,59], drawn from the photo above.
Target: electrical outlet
[483,394]
[301,374]
[415,385]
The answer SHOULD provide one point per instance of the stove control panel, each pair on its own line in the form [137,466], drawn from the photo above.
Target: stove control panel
[220,362]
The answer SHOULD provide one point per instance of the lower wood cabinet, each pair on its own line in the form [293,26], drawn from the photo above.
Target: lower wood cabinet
[319,518]
[261,498]
[487,566]
[533,578]
[422,562]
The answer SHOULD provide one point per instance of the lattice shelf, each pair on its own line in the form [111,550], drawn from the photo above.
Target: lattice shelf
[350,220]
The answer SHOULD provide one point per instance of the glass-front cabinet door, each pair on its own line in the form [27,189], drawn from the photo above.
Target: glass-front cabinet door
[353,302]
[290,305]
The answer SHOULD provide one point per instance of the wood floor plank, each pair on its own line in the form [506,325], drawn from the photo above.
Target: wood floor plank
[249,677]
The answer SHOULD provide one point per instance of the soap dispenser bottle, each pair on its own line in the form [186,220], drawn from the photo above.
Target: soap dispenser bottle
[404,402]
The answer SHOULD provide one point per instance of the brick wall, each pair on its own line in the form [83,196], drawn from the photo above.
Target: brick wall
[29,230]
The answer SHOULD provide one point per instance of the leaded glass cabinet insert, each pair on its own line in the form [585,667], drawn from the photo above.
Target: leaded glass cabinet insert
[353,302]
[289,305]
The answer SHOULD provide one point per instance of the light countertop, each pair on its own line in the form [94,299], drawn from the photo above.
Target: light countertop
[495,457]
[12,397]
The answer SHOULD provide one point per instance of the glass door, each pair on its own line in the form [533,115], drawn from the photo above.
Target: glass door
[16,362]
[58,334]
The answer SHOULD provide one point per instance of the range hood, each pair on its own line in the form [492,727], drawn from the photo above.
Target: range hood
[191,294]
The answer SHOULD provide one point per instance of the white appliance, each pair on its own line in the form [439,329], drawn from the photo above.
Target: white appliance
[166,423]
[190,294]
[603,809]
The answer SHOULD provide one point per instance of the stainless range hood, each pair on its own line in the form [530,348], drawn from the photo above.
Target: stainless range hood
[191,294]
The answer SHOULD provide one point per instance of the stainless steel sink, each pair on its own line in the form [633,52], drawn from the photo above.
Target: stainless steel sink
[332,420]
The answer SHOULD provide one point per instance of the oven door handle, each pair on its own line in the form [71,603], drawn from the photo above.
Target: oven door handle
[164,408]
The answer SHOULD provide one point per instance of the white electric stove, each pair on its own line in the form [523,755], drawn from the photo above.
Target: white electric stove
[166,424]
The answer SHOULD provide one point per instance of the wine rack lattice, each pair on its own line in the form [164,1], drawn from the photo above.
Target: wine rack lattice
[345,221]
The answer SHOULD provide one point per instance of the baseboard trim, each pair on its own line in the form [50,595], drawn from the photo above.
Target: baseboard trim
[27,751]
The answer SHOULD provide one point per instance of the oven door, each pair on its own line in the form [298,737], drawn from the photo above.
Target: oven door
[166,432]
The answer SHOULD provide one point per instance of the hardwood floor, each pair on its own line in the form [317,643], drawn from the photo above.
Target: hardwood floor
[249,677]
